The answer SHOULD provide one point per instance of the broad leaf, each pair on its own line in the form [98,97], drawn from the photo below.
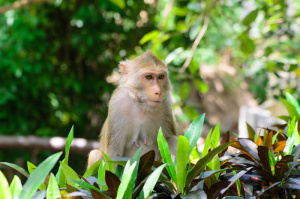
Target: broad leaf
[113,183]
[293,101]
[144,168]
[152,180]
[53,189]
[194,131]
[4,187]
[93,169]
[15,187]
[38,176]
[69,173]
[250,17]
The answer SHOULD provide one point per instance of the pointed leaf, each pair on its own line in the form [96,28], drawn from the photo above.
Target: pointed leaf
[279,146]
[183,148]
[15,187]
[293,101]
[251,132]
[84,185]
[135,158]
[268,142]
[207,144]
[194,131]
[53,191]
[38,176]
[166,155]
[224,140]
[93,169]
[16,167]
[272,162]
[125,179]
[113,183]
[152,180]
[69,173]
[250,17]
[281,167]
[215,137]
[68,144]
[201,164]
[98,195]
[264,157]
[4,187]
[31,167]
[295,160]
[144,169]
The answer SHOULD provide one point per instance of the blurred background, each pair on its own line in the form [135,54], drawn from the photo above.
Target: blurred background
[59,63]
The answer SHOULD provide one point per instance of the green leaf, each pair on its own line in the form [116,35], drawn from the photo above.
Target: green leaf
[295,160]
[16,167]
[120,3]
[292,132]
[93,169]
[201,86]
[201,164]
[183,148]
[152,180]
[135,158]
[194,156]
[290,108]
[272,162]
[149,36]
[247,46]
[250,17]
[125,179]
[84,185]
[15,187]
[101,173]
[194,131]
[53,191]
[207,144]
[69,173]
[166,155]
[215,137]
[31,167]
[109,163]
[251,133]
[38,176]
[184,91]
[293,102]
[68,145]
[4,187]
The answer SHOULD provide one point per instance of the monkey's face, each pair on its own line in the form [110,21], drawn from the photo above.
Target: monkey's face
[153,82]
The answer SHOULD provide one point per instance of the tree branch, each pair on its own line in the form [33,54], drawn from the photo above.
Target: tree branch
[21,4]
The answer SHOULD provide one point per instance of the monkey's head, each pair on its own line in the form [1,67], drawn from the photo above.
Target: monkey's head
[147,77]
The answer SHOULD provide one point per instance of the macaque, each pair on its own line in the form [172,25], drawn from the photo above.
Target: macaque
[139,106]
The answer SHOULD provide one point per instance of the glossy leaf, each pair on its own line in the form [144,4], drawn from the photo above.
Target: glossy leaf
[53,189]
[145,165]
[279,146]
[206,145]
[295,160]
[251,132]
[272,162]
[125,182]
[113,183]
[4,187]
[152,180]
[98,195]
[183,148]
[31,168]
[281,167]
[201,164]
[268,142]
[293,101]
[135,158]
[264,157]
[15,187]
[38,176]
[166,155]
[194,131]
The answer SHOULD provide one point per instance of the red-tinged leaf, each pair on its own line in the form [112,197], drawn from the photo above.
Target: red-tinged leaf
[264,190]
[214,191]
[16,167]
[144,169]
[113,183]
[281,137]
[268,142]
[98,195]
[251,132]
[279,146]
[282,166]
[238,146]
[264,157]
[224,140]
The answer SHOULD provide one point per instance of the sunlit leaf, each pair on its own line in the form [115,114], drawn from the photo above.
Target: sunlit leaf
[38,176]
[125,182]
[69,173]
[149,36]
[251,132]
[15,187]
[183,148]
[16,167]
[93,169]
[250,17]
[120,3]
[4,187]
[53,189]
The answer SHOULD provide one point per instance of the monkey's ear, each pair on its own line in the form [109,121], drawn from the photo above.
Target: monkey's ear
[124,68]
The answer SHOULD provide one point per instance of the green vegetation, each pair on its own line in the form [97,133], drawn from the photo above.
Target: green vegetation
[267,166]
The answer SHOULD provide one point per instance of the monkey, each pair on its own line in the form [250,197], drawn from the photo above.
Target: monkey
[138,107]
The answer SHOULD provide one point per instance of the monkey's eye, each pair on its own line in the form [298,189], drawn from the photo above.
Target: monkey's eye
[161,76]
[149,77]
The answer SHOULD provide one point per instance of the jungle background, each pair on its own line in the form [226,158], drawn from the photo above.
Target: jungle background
[59,61]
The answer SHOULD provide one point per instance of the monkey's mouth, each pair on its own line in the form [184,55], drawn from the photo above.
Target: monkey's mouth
[154,102]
